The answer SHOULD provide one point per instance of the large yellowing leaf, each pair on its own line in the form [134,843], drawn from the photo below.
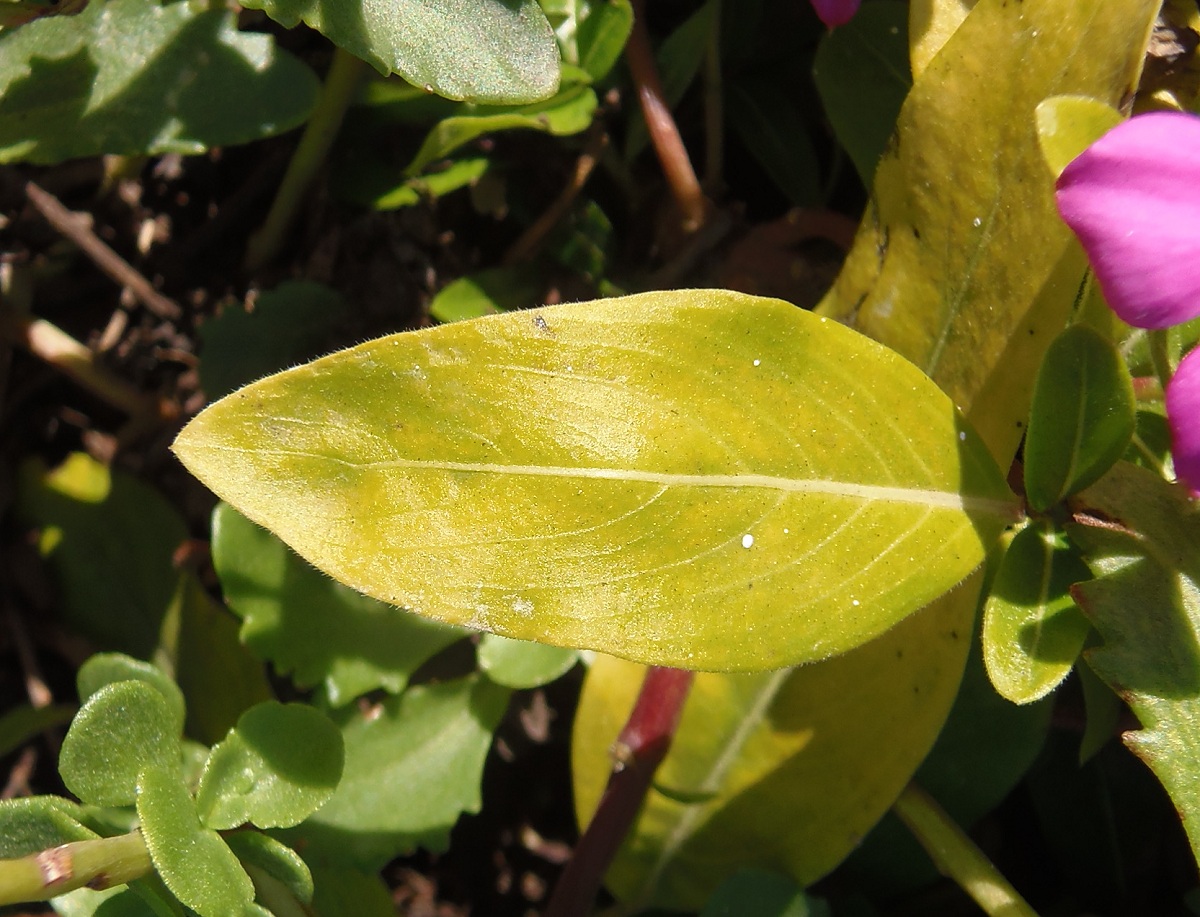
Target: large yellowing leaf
[787,769]
[693,478]
[962,263]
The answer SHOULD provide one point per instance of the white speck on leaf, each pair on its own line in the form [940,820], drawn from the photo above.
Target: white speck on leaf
[747,541]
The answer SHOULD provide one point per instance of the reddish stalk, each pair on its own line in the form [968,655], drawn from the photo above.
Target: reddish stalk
[639,749]
[664,133]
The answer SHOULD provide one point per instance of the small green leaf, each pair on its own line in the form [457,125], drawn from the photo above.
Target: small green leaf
[132,78]
[610,458]
[412,768]
[312,626]
[364,178]
[1067,125]
[278,766]
[109,540]
[601,36]
[109,668]
[1145,603]
[292,323]
[123,728]
[1082,418]
[757,893]
[193,861]
[35,823]
[280,862]
[1032,630]
[484,50]
[21,724]
[521,664]
[569,112]
[861,71]
[496,289]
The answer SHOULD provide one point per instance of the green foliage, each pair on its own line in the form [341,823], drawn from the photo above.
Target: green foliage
[276,767]
[1082,418]
[861,71]
[680,505]
[312,627]
[124,728]
[482,50]
[1144,604]
[522,664]
[1032,631]
[289,324]
[132,77]
[109,539]
[412,766]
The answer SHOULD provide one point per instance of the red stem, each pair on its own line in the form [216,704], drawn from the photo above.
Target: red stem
[661,126]
[638,751]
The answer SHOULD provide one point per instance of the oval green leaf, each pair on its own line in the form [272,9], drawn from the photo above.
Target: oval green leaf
[193,861]
[1082,419]
[1067,125]
[123,728]
[521,664]
[140,78]
[257,850]
[109,668]
[629,475]
[1032,630]
[482,50]
[277,766]
[311,626]
[1141,538]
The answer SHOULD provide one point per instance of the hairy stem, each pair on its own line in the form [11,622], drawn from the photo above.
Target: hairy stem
[956,856]
[639,749]
[661,126]
[345,73]
[98,864]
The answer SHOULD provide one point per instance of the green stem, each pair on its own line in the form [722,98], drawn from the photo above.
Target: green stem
[1160,355]
[956,856]
[98,864]
[341,83]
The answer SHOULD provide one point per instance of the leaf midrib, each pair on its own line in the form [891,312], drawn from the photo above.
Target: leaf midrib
[937,499]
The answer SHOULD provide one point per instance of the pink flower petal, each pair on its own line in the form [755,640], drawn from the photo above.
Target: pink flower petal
[835,12]
[1183,413]
[1133,198]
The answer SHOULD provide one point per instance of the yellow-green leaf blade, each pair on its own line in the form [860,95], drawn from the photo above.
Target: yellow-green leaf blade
[628,475]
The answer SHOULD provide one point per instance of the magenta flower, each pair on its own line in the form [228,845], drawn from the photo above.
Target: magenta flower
[1133,198]
[835,12]
[1183,412]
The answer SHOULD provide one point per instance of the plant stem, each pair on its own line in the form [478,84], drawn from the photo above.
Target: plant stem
[53,345]
[98,864]
[1160,355]
[639,749]
[345,73]
[77,228]
[661,126]
[956,856]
